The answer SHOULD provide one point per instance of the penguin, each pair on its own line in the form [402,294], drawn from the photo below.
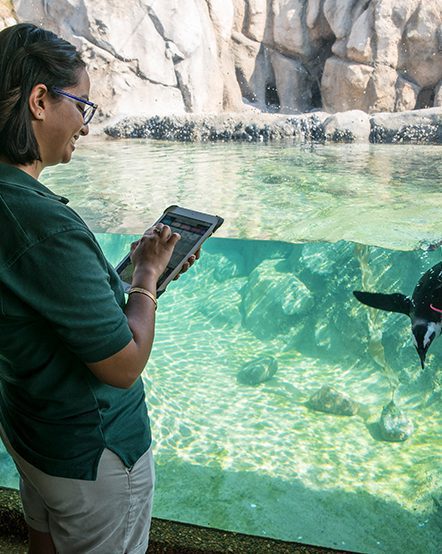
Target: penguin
[424,308]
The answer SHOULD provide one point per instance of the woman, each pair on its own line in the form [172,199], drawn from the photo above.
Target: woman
[72,406]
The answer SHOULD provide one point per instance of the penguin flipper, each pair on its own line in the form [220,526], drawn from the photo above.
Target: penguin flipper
[396,302]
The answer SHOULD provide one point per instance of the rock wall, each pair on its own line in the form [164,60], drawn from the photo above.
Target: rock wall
[289,56]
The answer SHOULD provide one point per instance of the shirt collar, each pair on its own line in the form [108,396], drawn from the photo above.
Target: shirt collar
[14,176]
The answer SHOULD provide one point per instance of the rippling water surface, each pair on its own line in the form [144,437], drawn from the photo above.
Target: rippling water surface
[385,195]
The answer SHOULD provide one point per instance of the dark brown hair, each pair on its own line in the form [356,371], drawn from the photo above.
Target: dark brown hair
[30,55]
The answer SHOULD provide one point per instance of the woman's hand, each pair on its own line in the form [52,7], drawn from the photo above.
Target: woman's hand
[189,263]
[151,253]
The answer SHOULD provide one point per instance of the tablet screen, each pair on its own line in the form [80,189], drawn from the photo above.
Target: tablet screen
[191,230]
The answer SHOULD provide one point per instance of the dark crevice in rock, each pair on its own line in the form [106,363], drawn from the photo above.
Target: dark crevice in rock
[185,92]
[425,98]
[316,69]
[271,96]
[365,6]
[156,22]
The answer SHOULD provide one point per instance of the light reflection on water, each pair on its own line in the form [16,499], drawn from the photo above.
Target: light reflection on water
[384,195]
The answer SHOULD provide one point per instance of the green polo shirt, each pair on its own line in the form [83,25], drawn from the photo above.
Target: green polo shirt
[61,306]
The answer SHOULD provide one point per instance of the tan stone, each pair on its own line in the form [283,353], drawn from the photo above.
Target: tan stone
[205,55]
[253,68]
[187,23]
[438,95]
[339,16]
[129,36]
[316,21]
[406,95]
[353,123]
[359,44]
[239,13]
[119,91]
[382,90]
[390,19]
[289,31]
[256,26]
[339,48]
[314,11]
[396,121]
[421,52]
[293,83]
[344,85]
[6,22]
[7,15]
[222,15]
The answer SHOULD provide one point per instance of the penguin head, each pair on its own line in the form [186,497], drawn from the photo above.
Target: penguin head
[424,333]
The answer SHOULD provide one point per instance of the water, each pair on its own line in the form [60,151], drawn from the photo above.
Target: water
[385,195]
[256,458]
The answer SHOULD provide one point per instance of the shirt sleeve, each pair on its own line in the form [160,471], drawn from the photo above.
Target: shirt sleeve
[65,279]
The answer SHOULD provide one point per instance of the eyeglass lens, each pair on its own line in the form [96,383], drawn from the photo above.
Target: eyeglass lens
[88,114]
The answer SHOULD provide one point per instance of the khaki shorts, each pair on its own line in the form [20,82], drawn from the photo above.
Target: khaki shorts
[108,516]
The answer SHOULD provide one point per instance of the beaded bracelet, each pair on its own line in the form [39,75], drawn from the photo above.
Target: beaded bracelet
[146,293]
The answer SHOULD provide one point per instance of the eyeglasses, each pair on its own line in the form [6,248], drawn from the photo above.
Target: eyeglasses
[88,112]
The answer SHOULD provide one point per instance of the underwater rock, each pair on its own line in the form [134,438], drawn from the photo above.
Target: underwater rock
[221,303]
[257,371]
[228,267]
[329,400]
[394,424]
[274,300]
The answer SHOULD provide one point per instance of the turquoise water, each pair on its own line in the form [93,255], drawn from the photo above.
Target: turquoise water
[384,195]
[256,457]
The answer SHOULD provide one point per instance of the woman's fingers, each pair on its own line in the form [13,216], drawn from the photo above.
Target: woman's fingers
[183,269]
[163,237]
[164,232]
[187,265]
[174,238]
[134,245]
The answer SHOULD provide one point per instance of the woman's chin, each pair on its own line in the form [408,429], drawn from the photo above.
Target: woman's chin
[67,157]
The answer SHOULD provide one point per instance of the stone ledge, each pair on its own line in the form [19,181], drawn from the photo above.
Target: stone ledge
[167,537]
[412,127]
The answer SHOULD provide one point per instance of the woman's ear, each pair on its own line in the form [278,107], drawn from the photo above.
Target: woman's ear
[38,101]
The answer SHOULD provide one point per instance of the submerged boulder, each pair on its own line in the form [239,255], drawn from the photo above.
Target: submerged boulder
[258,370]
[394,424]
[274,300]
[329,400]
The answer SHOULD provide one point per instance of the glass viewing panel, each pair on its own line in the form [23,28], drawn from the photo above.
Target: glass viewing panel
[281,405]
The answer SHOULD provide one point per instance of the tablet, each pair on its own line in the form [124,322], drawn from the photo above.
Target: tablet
[194,228]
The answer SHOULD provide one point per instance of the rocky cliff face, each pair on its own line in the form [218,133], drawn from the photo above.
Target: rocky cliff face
[209,56]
